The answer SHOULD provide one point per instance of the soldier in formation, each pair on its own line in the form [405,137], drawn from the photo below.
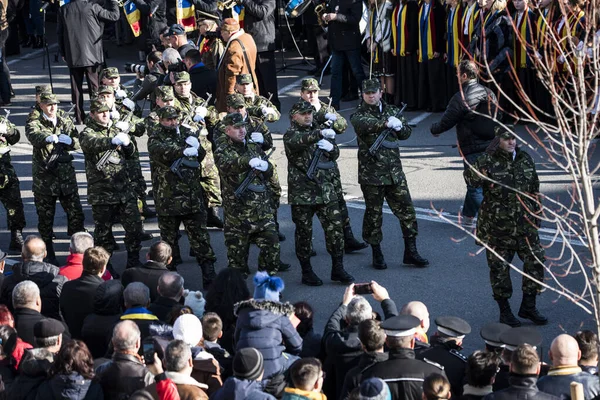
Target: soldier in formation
[257,106]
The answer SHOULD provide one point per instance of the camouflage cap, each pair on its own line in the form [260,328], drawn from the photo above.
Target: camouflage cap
[310,84]
[48,98]
[243,79]
[370,85]
[301,107]
[235,100]
[505,132]
[98,106]
[168,112]
[234,119]
[165,93]
[110,72]
[181,76]
[104,89]
[39,89]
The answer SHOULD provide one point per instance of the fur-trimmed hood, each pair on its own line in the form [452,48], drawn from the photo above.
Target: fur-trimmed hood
[285,309]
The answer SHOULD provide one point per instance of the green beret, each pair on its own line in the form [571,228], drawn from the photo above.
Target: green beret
[104,89]
[243,79]
[301,107]
[370,85]
[310,84]
[165,93]
[98,106]
[235,100]
[181,76]
[505,133]
[234,119]
[48,98]
[110,72]
[168,112]
[39,89]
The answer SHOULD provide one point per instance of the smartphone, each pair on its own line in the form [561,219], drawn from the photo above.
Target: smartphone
[149,353]
[363,288]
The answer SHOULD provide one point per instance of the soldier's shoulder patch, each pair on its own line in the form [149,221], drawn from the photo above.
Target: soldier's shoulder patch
[458,355]
[440,366]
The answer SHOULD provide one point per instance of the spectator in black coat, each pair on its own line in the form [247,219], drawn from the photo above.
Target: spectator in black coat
[158,257]
[311,340]
[137,297]
[480,374]
[97,327]
[212,331]
[204,80]
[170,292]
[48,334]
[33,371]
[77,297]
[178,39]
[588,344]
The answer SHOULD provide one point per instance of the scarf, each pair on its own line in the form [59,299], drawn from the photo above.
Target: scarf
[472,18]
[133,16]
[522,42]
[399,30]
[542,25]
[426,32]
[453,48]
[572,25]
[564,370]
[138,313]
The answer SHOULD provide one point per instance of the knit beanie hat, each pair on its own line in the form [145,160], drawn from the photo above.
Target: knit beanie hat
[248,364]
[188,328]
[267,287]
[195,301]
[374,389]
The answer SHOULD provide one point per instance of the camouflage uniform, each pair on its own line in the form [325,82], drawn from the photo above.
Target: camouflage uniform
[250,218]
[178,198]
[255,104]
[10,192]
[58,183]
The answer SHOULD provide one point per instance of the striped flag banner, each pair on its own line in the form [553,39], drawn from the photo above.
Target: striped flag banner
[186,15]
[133,17]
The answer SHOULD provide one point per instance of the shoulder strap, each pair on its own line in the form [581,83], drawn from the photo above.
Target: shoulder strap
[246,60]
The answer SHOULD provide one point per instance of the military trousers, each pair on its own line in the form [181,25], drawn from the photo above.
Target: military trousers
[211,184]
[239,236]
[10,196]
[46,209]
[195,226]
[330,217]
[530,252]
[398,198]
[339,192]
[138,182]
[128,214]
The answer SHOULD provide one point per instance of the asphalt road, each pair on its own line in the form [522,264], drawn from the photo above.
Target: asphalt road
[456,283]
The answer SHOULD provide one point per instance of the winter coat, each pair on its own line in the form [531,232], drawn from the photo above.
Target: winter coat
[344,32]
[33,371]
[265,325]
[206,370]
[187,387]
[259,22]
[42,274]
[236,389]
[353,378]
[70,387]
[74,267]
[149,275]
[311,345]
[122,376]
[204,80]
[77,301]
[222,356]
[521,387]
[474,132]
[25,320]
[298,394]
[558,381]
[80,29]
[162,307]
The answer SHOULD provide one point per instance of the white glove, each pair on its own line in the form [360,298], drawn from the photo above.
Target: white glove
[198,118]
[65,139]
[392,121]
[4,150]
[190,152]
[328,133]
[115,115]
[3,128]
[122,125]
[331,116]
[201,111]
[268,110]
[398,126]
[192,142]
[124,138]
[325,145]
[257,137]
[129,104]
[561,59]
[117,140]
[259,164]
[52,139]
[120,93]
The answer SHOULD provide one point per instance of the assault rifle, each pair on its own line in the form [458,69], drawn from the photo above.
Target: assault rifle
[383,135]
[101,164]
[314,162]
[249,177]
[59,148]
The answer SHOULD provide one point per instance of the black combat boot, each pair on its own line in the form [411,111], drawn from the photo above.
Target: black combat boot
[38,42]
[145,235]
[133,260]
[529,311]
[30,41]
[350,242]
[175,258]
[208,274]
[213,219]
[378,260]
[110,268]
[16,240]
[309,277]
[50,255]
[506,315]
[281,236]
[338,273]
[313,253]
[411,255]
[147,212]
[284,266]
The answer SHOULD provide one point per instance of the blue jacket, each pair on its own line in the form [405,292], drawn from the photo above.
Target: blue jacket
[560,385]
[236,389]
[70,387]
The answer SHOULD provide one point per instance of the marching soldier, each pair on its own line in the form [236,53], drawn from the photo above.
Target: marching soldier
[164,97]
[192,107]
[106,148]
[314,194]
[380,174]
[326,116]
[178,190]
[10,191]
[249,214]
[35,109]
[110,77]
[52,135]
[257,106]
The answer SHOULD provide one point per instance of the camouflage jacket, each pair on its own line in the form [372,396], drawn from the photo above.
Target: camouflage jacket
[11,137]
[504,214]
[254,105]
[385,168]
[254,125]
[175,195]
[300,145]
[186,106]
[61,179]
[339,125]
[111,186]
[35,113]
[137,130]
[119,102]
[232,160]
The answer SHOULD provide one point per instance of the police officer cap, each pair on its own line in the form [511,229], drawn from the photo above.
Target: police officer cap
[39,89]
[401,325]
[514,337]
[453,326]
[491,332]
[110,72]
[301,107]
[370,85]
[243,79]
[175,30]
[168,112]
[234,119]
[181,77]
[47,328]
[505,133]
[104,89]
[164,92]
[48,98]
[310,84]
[98,106]
[235,100]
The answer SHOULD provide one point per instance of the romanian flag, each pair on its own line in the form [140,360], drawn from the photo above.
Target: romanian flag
[186,15]
[239,13]
[133,17]
[426,32]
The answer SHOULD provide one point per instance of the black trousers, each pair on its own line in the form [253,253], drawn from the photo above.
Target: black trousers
[266,73]
[317,41]
[91,75]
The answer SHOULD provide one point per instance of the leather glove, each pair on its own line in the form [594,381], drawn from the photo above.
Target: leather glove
[325,145]
[190,152]
[393,121]
[192,142]
[328,133]
[331,116]
[115,115]
[52,139]
[65,139]
[116,141]
[122,125]
[267,110]
[201,111]
[4,150]
[3,128]
[257,163]
[257,137]
[120,94]
[124,138]
[129,104]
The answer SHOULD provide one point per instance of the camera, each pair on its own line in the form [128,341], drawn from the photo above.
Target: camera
[149,353]
[363,288]
[136,68]
[177,67]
